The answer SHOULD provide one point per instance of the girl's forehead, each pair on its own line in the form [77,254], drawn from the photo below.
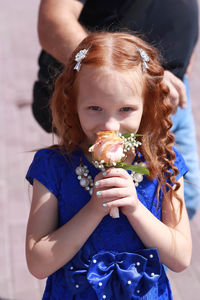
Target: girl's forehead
[104,76]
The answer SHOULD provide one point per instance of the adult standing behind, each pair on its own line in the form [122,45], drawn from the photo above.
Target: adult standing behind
[171,26]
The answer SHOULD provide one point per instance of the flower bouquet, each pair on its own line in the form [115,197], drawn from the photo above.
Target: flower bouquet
[110,150]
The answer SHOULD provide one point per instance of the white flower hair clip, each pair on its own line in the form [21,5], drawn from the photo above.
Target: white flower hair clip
[79,57]
[145,58]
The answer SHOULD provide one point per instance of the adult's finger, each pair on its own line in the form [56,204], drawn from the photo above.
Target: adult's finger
[177,89]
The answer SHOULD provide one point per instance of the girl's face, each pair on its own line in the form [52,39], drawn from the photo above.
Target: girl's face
[109,100]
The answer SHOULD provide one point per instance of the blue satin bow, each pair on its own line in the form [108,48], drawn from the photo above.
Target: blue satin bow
[115,275]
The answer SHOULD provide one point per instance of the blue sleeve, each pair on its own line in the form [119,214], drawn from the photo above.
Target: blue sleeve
[180,164]
[44,169]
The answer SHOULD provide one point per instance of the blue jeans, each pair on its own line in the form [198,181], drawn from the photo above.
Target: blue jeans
[185,138]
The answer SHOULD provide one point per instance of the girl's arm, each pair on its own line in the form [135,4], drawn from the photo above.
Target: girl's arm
[172,240]
[49,248]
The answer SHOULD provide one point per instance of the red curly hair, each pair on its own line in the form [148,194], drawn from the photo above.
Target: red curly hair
[119,51]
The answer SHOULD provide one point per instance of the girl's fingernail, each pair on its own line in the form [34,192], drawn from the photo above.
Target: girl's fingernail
[98,193]
[104,173]
[105,204]
[96,183]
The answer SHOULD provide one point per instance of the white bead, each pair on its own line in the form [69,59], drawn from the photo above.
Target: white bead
[91,191]
[138,291]
[79,170]
[129,281]
[104,297]
[77,286]
[151,255]
[94,261]
[79,177]
[152,274]
[85,174]
[100,283]
[87,188]
[138,263]
[71,268]
[84,182]
[138,177]
[142,164]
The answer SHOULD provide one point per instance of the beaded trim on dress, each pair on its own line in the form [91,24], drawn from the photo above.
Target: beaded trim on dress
[86,181]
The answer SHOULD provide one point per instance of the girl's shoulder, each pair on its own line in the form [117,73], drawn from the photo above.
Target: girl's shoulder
[48,158]
[48,167]
[49,154]
[54,157]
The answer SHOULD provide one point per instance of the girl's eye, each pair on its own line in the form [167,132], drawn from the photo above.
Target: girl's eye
[98,108]
[126,109]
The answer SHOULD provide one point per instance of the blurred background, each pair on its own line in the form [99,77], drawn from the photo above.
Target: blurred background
[19,134]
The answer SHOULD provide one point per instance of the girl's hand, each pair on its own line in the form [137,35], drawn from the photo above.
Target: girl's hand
[96,204]
[115,189]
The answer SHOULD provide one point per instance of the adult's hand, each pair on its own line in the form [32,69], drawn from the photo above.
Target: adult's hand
[177,89]
[191,63]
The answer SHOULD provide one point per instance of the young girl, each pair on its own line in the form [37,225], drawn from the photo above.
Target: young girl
[113,82]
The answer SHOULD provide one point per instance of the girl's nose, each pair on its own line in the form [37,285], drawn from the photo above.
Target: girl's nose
[111,124]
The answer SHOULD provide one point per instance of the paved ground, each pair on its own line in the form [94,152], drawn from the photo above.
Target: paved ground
[20,134]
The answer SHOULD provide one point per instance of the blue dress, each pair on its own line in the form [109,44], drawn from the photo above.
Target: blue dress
[113,264]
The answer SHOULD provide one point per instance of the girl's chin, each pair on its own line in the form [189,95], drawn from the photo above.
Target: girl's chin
[91,140]
[87,144]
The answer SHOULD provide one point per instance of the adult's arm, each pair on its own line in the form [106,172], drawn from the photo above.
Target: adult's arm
[58,28]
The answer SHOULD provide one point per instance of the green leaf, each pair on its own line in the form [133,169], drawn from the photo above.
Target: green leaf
[127,135]
[135,168]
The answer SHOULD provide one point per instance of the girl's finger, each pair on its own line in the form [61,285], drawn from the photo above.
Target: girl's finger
[116,172]
[114,193]
[119,203]
[110,182]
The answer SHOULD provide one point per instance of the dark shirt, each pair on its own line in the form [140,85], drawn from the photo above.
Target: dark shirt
[170,25]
